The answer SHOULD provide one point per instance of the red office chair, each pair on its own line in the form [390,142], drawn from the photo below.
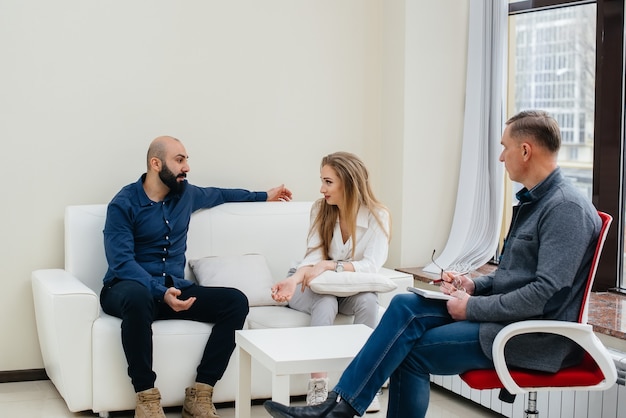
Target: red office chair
[596,371]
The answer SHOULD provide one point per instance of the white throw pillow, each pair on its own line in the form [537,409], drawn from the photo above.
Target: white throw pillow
[248,273]
[350,283]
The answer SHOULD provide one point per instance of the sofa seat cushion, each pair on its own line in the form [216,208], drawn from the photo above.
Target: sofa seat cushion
[178,348]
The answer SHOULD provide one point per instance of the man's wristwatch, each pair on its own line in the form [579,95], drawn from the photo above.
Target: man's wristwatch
[339,266]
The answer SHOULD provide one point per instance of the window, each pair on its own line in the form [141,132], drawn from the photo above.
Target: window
[560,65]
[561,44]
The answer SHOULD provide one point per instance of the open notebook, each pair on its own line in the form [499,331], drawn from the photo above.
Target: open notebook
[430,294]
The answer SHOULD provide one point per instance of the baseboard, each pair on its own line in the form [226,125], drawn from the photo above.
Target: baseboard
[23,375]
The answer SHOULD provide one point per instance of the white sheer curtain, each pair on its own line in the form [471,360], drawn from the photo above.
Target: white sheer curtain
[475,228]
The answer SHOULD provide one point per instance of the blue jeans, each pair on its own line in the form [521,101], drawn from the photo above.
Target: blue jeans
[131,301]
[415,338]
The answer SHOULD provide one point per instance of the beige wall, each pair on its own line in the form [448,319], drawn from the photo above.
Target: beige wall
[258,91]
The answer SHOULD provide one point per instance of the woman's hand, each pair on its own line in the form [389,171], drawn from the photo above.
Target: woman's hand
[312,272]
[283,291]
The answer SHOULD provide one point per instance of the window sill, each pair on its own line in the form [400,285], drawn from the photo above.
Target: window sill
[607,311]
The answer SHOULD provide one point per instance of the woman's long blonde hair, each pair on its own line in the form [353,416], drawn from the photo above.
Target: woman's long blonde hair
[357,191]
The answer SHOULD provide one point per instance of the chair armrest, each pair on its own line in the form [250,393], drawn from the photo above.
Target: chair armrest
[582,334]
[403,280]
[65,310]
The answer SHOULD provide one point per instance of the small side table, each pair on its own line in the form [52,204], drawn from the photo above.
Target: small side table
[287,351]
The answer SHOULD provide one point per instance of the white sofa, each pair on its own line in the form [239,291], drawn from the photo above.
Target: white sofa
[81,345]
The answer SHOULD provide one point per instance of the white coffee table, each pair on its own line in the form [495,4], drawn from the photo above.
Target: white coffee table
[287,351]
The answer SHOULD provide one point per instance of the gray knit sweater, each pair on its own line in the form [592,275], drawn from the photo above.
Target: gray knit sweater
[542,274]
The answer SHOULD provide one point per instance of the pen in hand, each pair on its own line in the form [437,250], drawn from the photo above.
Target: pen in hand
[457,276]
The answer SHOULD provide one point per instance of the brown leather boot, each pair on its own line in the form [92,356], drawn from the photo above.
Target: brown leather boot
[199,402]
[149,404]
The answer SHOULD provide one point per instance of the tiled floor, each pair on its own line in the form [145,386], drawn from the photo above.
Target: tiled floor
[40,399]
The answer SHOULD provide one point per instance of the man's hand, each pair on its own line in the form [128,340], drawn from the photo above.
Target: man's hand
[279,194]
[457,307]
[177,305]
[451,278]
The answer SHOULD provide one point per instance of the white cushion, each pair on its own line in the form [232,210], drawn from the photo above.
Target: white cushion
[350,283]
[248,273]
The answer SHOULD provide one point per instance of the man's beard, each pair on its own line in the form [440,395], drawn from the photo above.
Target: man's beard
[170,179]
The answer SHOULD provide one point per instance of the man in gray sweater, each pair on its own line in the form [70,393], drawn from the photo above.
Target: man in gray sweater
[542,275]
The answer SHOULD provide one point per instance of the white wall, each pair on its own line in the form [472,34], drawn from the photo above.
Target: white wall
[258,91]
[424,61]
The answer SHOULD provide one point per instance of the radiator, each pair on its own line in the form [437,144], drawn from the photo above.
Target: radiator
[553,404]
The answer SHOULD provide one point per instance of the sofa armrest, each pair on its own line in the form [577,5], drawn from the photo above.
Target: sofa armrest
[65,310]
[403,280]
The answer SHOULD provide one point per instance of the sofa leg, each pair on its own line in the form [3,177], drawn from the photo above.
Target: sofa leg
[103,414]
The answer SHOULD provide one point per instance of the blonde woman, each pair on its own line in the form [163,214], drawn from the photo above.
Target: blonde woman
[350,231]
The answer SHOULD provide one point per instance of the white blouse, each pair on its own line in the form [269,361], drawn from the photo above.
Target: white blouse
[372,244]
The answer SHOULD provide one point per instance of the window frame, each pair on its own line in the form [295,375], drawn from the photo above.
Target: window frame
[609,122]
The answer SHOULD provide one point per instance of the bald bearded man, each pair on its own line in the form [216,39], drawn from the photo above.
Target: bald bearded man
[145,237]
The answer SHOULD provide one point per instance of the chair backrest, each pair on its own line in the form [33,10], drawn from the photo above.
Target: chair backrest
[606,223]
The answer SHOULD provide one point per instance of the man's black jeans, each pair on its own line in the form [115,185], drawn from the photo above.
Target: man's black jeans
[129,300]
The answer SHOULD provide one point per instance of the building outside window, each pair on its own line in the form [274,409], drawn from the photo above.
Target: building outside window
[567,57]
[554,70]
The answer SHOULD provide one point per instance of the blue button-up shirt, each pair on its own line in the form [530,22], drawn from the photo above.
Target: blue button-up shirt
[146,241]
